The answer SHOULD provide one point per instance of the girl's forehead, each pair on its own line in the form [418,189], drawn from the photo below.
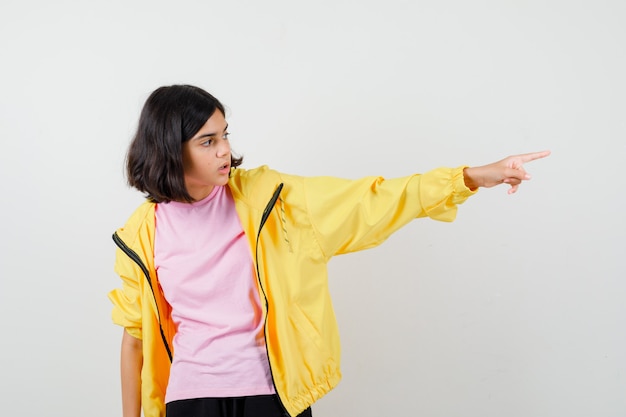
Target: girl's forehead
[216,124]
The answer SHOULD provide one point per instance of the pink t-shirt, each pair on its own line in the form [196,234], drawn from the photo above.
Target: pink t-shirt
[204,265]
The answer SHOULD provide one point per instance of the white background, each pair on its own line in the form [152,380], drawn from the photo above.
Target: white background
[518,308]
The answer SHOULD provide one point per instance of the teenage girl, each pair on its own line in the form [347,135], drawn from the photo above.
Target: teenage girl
[224,298]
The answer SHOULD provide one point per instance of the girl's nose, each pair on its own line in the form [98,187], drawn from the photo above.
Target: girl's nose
[223,148]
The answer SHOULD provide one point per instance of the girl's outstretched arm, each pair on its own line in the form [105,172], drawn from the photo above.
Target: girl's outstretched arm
[510,171]
[131,362]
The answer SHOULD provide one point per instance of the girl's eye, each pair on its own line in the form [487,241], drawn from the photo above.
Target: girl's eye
[226,135]
[207,142]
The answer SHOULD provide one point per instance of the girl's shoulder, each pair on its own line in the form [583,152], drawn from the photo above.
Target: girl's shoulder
[245,180]
[142,217]
[256,186]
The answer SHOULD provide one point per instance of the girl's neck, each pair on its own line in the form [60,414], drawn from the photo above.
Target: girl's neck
[199,194]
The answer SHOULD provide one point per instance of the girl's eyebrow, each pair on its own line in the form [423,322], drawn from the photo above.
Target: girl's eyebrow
[208,135]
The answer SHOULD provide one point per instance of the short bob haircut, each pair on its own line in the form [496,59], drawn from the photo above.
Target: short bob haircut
[171,116]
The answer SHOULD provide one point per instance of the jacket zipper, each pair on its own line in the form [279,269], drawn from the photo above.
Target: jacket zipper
[264,217]
[133,255]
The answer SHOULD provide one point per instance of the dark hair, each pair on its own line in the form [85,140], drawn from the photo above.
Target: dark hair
[171,116]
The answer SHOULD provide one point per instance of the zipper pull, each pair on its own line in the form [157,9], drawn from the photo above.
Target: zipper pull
[270,205]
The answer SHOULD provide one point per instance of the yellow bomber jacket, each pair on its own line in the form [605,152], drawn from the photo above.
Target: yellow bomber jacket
[294,226]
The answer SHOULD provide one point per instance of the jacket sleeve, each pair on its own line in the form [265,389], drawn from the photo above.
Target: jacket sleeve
[127,299]
[352,215]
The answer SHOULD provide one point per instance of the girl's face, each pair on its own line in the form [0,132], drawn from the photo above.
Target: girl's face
[206,157]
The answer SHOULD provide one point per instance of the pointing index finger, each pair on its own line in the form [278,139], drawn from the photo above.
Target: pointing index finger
[534,155]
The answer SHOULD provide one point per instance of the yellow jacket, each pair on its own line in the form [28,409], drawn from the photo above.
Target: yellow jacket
[308,220]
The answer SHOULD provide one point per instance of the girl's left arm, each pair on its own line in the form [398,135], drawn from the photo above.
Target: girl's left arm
[352,215]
